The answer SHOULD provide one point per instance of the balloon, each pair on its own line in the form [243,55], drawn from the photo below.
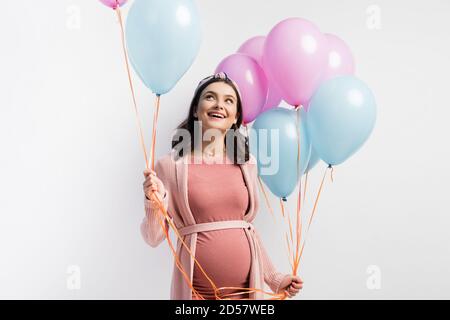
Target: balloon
[113,3]
[295,57]
[306,105]
[274,143]
[163,39]
[340,118]
[251,80]
[340,58]
[253,47]
[313,160]
[273,98]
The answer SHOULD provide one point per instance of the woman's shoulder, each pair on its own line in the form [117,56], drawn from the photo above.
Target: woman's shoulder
[166,158]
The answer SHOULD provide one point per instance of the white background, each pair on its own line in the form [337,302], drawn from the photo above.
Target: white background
[71,164]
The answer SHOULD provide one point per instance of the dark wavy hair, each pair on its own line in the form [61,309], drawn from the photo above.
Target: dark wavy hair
[238,151]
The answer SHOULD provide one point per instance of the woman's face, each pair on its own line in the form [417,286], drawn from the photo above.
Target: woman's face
[217,107]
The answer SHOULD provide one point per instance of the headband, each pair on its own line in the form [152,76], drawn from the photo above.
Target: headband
[220,75]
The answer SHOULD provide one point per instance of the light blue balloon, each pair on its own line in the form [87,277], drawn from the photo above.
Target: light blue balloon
[340,118]
[274,143]
[313,160]
[163,38]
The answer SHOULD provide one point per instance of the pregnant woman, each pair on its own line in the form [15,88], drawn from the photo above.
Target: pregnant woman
[209,190]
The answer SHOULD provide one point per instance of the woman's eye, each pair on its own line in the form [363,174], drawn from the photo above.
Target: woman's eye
[230,100]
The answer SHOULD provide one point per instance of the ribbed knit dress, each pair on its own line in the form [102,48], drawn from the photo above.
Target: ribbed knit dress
[217,192]
[213,192]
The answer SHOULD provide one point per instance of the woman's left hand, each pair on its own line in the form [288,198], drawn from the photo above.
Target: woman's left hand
[291,285]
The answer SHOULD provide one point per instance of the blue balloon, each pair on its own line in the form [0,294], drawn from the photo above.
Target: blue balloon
[163,38]
[274,143]
[313,160]
[340,118]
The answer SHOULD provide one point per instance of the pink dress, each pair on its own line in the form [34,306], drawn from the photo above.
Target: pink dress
[217,192]
[174,174]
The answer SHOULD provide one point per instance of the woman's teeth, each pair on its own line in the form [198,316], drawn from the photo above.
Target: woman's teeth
[217,116]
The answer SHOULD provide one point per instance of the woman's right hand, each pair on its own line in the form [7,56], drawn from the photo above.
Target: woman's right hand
[153,184]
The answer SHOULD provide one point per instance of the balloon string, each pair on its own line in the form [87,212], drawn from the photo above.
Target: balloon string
[288,236]
[290,233]
[282,207]
[317,199]
[298,233]
[179,266]
[155,198]
[299,203]
[161,206]
[312,215]
[289,254]
[155,124]
[306,185]
[172,225]
[276,296]
[122,36]
[297,262]
[261,185]
[288,248]
[153,195]
[266,198]
[177,259]
[216,291]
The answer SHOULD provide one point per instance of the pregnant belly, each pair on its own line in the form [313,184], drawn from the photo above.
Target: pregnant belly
[226,258]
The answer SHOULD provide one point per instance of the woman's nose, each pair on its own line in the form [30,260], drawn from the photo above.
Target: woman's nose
[219,105]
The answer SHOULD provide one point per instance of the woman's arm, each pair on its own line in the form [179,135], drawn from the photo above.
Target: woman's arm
[151,229]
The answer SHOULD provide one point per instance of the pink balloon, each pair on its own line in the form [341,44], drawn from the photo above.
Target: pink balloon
[251,80]
[295,57]
[113,3]
[273,98]
[340,58]
[254,47]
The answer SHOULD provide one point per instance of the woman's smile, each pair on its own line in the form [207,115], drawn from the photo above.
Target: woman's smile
[216,115]
[217,107]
